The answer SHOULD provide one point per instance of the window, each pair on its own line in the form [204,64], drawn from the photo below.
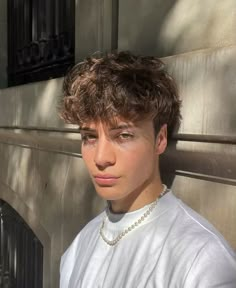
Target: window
[40,39]
[21,253]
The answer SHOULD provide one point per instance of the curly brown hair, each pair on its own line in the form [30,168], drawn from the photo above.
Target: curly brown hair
[121,84]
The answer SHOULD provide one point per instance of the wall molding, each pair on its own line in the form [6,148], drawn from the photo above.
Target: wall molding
[221,139]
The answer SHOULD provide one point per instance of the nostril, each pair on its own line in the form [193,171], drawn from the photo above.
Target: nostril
[100,167]
[103,165]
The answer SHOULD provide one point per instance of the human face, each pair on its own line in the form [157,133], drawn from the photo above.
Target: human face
[123,161]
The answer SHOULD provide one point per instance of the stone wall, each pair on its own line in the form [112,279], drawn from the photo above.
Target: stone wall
[42,175]
[196,40]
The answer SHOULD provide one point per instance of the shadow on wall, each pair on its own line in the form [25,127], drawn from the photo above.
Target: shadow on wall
[207,86]
[206,78]
[194,25]
[33,105]
[15,201]
[175,26]
[54,186]
[56,189]
[38,104]
[138,31]
[205,161]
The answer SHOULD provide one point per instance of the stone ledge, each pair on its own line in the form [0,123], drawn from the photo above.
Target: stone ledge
[57,141]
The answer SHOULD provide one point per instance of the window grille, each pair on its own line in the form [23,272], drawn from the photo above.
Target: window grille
[21,253]
[40,39]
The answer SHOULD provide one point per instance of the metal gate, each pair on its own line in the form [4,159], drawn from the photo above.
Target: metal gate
[40,39]
[21,253]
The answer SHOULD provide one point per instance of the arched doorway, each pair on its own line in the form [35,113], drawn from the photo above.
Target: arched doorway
[21,253]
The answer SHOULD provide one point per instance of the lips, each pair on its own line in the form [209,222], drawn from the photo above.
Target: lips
[106,180]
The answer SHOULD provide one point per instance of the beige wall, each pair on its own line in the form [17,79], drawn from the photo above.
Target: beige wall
[95,27]
[171,27]
[42,174]
[197,41]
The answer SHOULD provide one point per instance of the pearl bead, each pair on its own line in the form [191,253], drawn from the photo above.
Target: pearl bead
[134,225]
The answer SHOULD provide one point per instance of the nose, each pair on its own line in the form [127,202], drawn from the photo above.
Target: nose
[104,154]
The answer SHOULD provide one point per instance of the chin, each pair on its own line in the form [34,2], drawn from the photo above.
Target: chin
[108,193]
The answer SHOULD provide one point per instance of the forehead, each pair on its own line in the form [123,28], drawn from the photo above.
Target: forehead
[113,124]
[117,124]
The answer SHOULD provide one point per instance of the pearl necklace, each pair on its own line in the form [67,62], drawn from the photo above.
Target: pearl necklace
[134,225]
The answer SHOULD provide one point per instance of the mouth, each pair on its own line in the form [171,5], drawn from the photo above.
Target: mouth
[105,180]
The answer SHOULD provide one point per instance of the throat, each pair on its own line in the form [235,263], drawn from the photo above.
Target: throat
[131,203]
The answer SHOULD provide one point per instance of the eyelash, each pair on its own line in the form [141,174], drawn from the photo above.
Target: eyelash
[125,136]
[88,138]
[121,137]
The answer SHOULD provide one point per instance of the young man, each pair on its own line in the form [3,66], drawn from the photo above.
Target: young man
[124,106]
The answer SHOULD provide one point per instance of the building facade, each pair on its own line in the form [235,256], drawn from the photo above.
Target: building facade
[42,175]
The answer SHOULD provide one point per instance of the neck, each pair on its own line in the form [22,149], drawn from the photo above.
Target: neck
[136,199]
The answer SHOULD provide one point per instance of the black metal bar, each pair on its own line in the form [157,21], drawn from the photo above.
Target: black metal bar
[10,14]
[41,39]
[42,19]
[21,262]
[19,23]
[57,17]
[1,248]
[50,18]
[115,23]
[34,20]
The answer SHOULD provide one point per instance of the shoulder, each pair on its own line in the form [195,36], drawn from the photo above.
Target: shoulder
[189,230]
[90,228]
[201,248]
[197,248]
[190,222]
[69,257]
[214,264]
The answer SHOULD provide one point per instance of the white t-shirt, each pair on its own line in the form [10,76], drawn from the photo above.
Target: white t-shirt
[173,247]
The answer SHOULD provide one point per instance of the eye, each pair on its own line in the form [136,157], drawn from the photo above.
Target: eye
[125,136]
[88,138]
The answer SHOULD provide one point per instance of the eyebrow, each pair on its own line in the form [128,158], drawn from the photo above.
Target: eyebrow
[86,129]
[119,127]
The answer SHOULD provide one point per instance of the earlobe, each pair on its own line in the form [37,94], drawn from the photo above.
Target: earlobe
[161,140]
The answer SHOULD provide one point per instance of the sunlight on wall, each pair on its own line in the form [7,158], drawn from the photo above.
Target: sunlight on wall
[207,85]
[202,24]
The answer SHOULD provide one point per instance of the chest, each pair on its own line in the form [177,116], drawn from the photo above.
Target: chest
[140,260]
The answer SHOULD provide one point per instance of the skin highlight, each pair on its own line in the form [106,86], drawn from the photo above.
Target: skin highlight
[123,162]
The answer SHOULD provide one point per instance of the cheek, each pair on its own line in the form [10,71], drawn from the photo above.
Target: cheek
[140,159]
[87,156]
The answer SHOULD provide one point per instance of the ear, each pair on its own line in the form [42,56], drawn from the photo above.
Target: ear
[161,140]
